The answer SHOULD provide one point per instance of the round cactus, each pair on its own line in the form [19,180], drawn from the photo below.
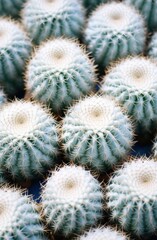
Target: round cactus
[152,47]
[133,83]
[132,196]
[15,48]
[46,18]
[28,139]
[149,10]
[11,7]
[18,217]
[72,200]
[2,97]
[59,72]
[113,31]
[97,133]
[103,233]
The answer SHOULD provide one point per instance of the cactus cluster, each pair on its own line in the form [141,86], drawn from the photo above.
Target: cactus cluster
[72,200]
[28,139]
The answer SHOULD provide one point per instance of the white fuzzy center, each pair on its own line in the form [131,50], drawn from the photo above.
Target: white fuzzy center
[50,5]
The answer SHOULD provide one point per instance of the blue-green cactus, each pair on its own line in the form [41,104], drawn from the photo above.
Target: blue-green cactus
[2,97]
[59,72]
[149,10]
[71,200]
[11,7]
[114,30]
[46,18]
[152,47]
[133,83]
[132,196]
[95,132]
[18,217]
[28,139]
[15,48]
[91,4]
[103,233]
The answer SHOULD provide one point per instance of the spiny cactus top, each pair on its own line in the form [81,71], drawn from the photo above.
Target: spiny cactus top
[97,133]
[113,31]
[15,48]
[132,196]
[71,199]
[133,82]
[103,233]
[59,72]
[46,18]
[11,7]
[28,139]
[18,217]
[152,47]
[149,10]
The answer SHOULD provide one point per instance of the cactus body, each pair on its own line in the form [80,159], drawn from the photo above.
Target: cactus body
[102,233]
[152,47]
[149,10]
[60,72]
[132,196]
[11,7]
[97,133]
[15,48]
[72,200]
[18,217]
[45,18]
[91,4]
[133,83]
[114,31]
[2,97]
[28,140]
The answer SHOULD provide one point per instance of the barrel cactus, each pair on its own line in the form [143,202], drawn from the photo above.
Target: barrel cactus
[114,30]
[18,217]
[96,132]
[11,7]
[149,10]
[46,18]
[71,200]
[152,47]
[59,72]
[132,196]
[15,48]
[133,83]
[28,139]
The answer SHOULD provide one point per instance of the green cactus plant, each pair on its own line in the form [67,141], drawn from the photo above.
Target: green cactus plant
[11,7]
[96,132]
[59,72]
[152,46]
[46,18]
[71,200]
[114,30]
[28,140]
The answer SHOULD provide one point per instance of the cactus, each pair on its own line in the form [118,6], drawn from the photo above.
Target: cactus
[71,200]
[28,139]
[11,7]
[103,233]
[133,83]
[91,4]
[18,217]
[132,196]
[59,72]
[2,97]
[113,31]
[149,10]
[97,133]
[46,18]
[152,47]
[15,48]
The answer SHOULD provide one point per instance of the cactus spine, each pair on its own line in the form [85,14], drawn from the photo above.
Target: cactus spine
[97,133]
[71,200]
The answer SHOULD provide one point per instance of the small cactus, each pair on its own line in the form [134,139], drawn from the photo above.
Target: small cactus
[97,133]
[103,233]
[59,72]
[71,200]
[133,83]
[15,48]
[132,196]
[18,217]
[46,18]
[149,10]
[114,30]
[28,139]
[11,7]
[152,47]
